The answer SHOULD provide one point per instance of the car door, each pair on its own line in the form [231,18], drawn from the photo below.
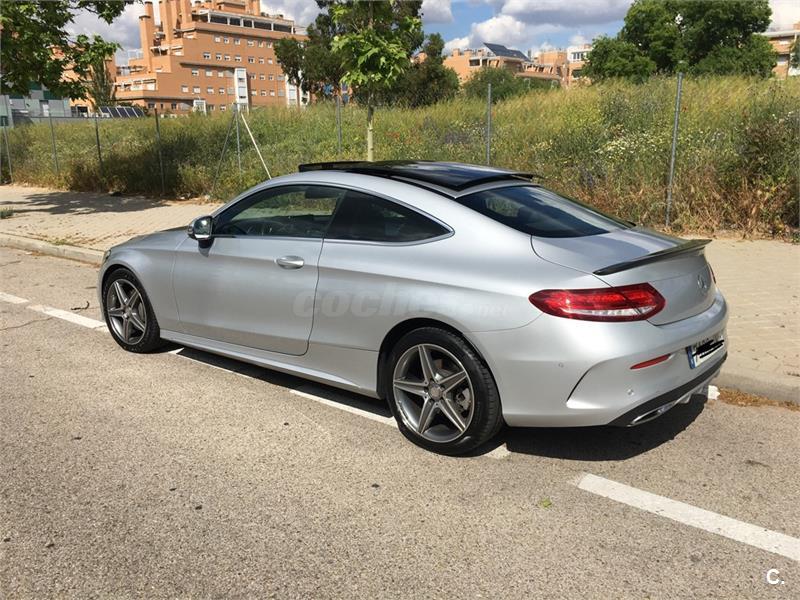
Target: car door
[253,283]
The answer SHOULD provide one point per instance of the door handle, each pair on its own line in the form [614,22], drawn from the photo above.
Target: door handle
[290,262]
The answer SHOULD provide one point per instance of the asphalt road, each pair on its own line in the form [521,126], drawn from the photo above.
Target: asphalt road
[180,474]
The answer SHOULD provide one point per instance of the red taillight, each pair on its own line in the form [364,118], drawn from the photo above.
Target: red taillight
[625,303]
[651,362]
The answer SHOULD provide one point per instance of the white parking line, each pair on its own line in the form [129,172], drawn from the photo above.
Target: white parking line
[68,316]
[12,299]
[758,537]
[351,409]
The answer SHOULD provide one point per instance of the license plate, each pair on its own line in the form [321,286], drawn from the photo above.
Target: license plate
[702,351]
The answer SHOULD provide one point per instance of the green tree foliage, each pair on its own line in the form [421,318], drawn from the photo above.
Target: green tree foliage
[101,86]
[426,82]
[504,84]
[794,59]
[376,46]
[686,35]
[291,56]
[35,46]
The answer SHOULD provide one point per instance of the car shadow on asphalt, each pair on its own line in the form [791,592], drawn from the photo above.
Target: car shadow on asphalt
[567,443]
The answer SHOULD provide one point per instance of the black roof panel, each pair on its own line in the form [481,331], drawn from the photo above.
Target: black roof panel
[449,175]
[500,50]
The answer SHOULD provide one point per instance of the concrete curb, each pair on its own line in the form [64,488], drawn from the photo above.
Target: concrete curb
[776,387]
[94,257]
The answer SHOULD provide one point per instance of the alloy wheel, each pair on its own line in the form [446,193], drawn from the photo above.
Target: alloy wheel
[126,311]
[433,393]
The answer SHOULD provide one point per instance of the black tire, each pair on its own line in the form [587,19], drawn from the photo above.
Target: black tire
[487,416]
[151,337]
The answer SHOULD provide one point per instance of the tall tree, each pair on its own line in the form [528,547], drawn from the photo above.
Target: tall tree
[323,70]
[612,57]
[504,84]
[427,81]
[35,46]
[291,56]
[376,46]
[687,35]
[101,86]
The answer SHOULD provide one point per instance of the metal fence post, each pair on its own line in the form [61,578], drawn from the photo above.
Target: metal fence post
[97,140]
[8,152]
[674,146]
[489,124]
[160,156]
[238,146]
[53,139]
[339,123]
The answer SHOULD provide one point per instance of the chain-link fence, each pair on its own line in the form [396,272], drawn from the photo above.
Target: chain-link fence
[722,154]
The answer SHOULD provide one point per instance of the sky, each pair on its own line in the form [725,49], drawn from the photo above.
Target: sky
[521,24]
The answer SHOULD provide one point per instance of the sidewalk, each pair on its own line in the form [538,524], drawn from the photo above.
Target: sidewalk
[760,279]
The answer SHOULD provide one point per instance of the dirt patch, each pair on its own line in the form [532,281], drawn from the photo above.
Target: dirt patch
[738,398]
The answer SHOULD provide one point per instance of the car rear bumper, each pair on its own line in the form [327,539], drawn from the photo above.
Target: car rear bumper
[559,372]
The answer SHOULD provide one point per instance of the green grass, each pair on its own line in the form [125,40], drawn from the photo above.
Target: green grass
[737,163]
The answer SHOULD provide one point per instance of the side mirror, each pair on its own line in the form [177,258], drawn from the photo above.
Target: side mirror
[200,229]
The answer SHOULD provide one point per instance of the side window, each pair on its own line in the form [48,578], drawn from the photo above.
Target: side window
[290,211]
[367,218]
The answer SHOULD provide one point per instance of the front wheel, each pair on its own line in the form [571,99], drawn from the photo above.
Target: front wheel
[128,313]
[441,393]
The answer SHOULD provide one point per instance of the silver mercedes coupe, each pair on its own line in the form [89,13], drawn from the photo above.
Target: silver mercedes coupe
[465,296]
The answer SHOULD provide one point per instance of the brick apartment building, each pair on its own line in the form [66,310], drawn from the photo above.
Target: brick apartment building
[783,42]
[207,54]
[562,66]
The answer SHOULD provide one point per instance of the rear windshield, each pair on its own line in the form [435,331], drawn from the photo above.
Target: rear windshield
[540,212]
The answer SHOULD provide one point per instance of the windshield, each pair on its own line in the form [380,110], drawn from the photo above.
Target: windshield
[540,212]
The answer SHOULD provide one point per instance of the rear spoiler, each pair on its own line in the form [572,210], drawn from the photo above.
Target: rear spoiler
[685,248]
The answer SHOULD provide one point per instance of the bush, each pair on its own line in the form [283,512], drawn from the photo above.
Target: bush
[606,144]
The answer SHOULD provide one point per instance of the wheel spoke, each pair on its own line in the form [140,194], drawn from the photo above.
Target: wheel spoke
[426,415]
[426,362]
[116,312]
[133,298]
[450,410]
[412,387]
[126,330]
[121,297]
[137,322]
[451,381]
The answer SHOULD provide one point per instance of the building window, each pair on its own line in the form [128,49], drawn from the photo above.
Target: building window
[221,90]
[174,106]
[281,93]
[210,107]
[280,77]
[260,43]
[271,77]
[269,44]
[196,89]
[253,93]
[237,58]
[253,76]
[269,61]
[227,57]
[272,92]
[263,92]
[207,55]
[151,105]
[185,89]
[251,60]
[226,40]
[195,72]
[261,60]
[217,39]
[209,90]
[235,22]
[218,56]
[209,73]
[220,73]
[223,108]
[251,43]
[236,41]
[262,77]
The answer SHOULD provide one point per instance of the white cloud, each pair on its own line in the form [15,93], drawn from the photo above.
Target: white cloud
[303,12]
[785,13]
[436,11]
[124,29]
[562,12]
[456,43]
[578,40]
[505,30]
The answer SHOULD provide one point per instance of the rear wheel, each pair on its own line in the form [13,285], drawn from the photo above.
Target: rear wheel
[441,393]
[128,313]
